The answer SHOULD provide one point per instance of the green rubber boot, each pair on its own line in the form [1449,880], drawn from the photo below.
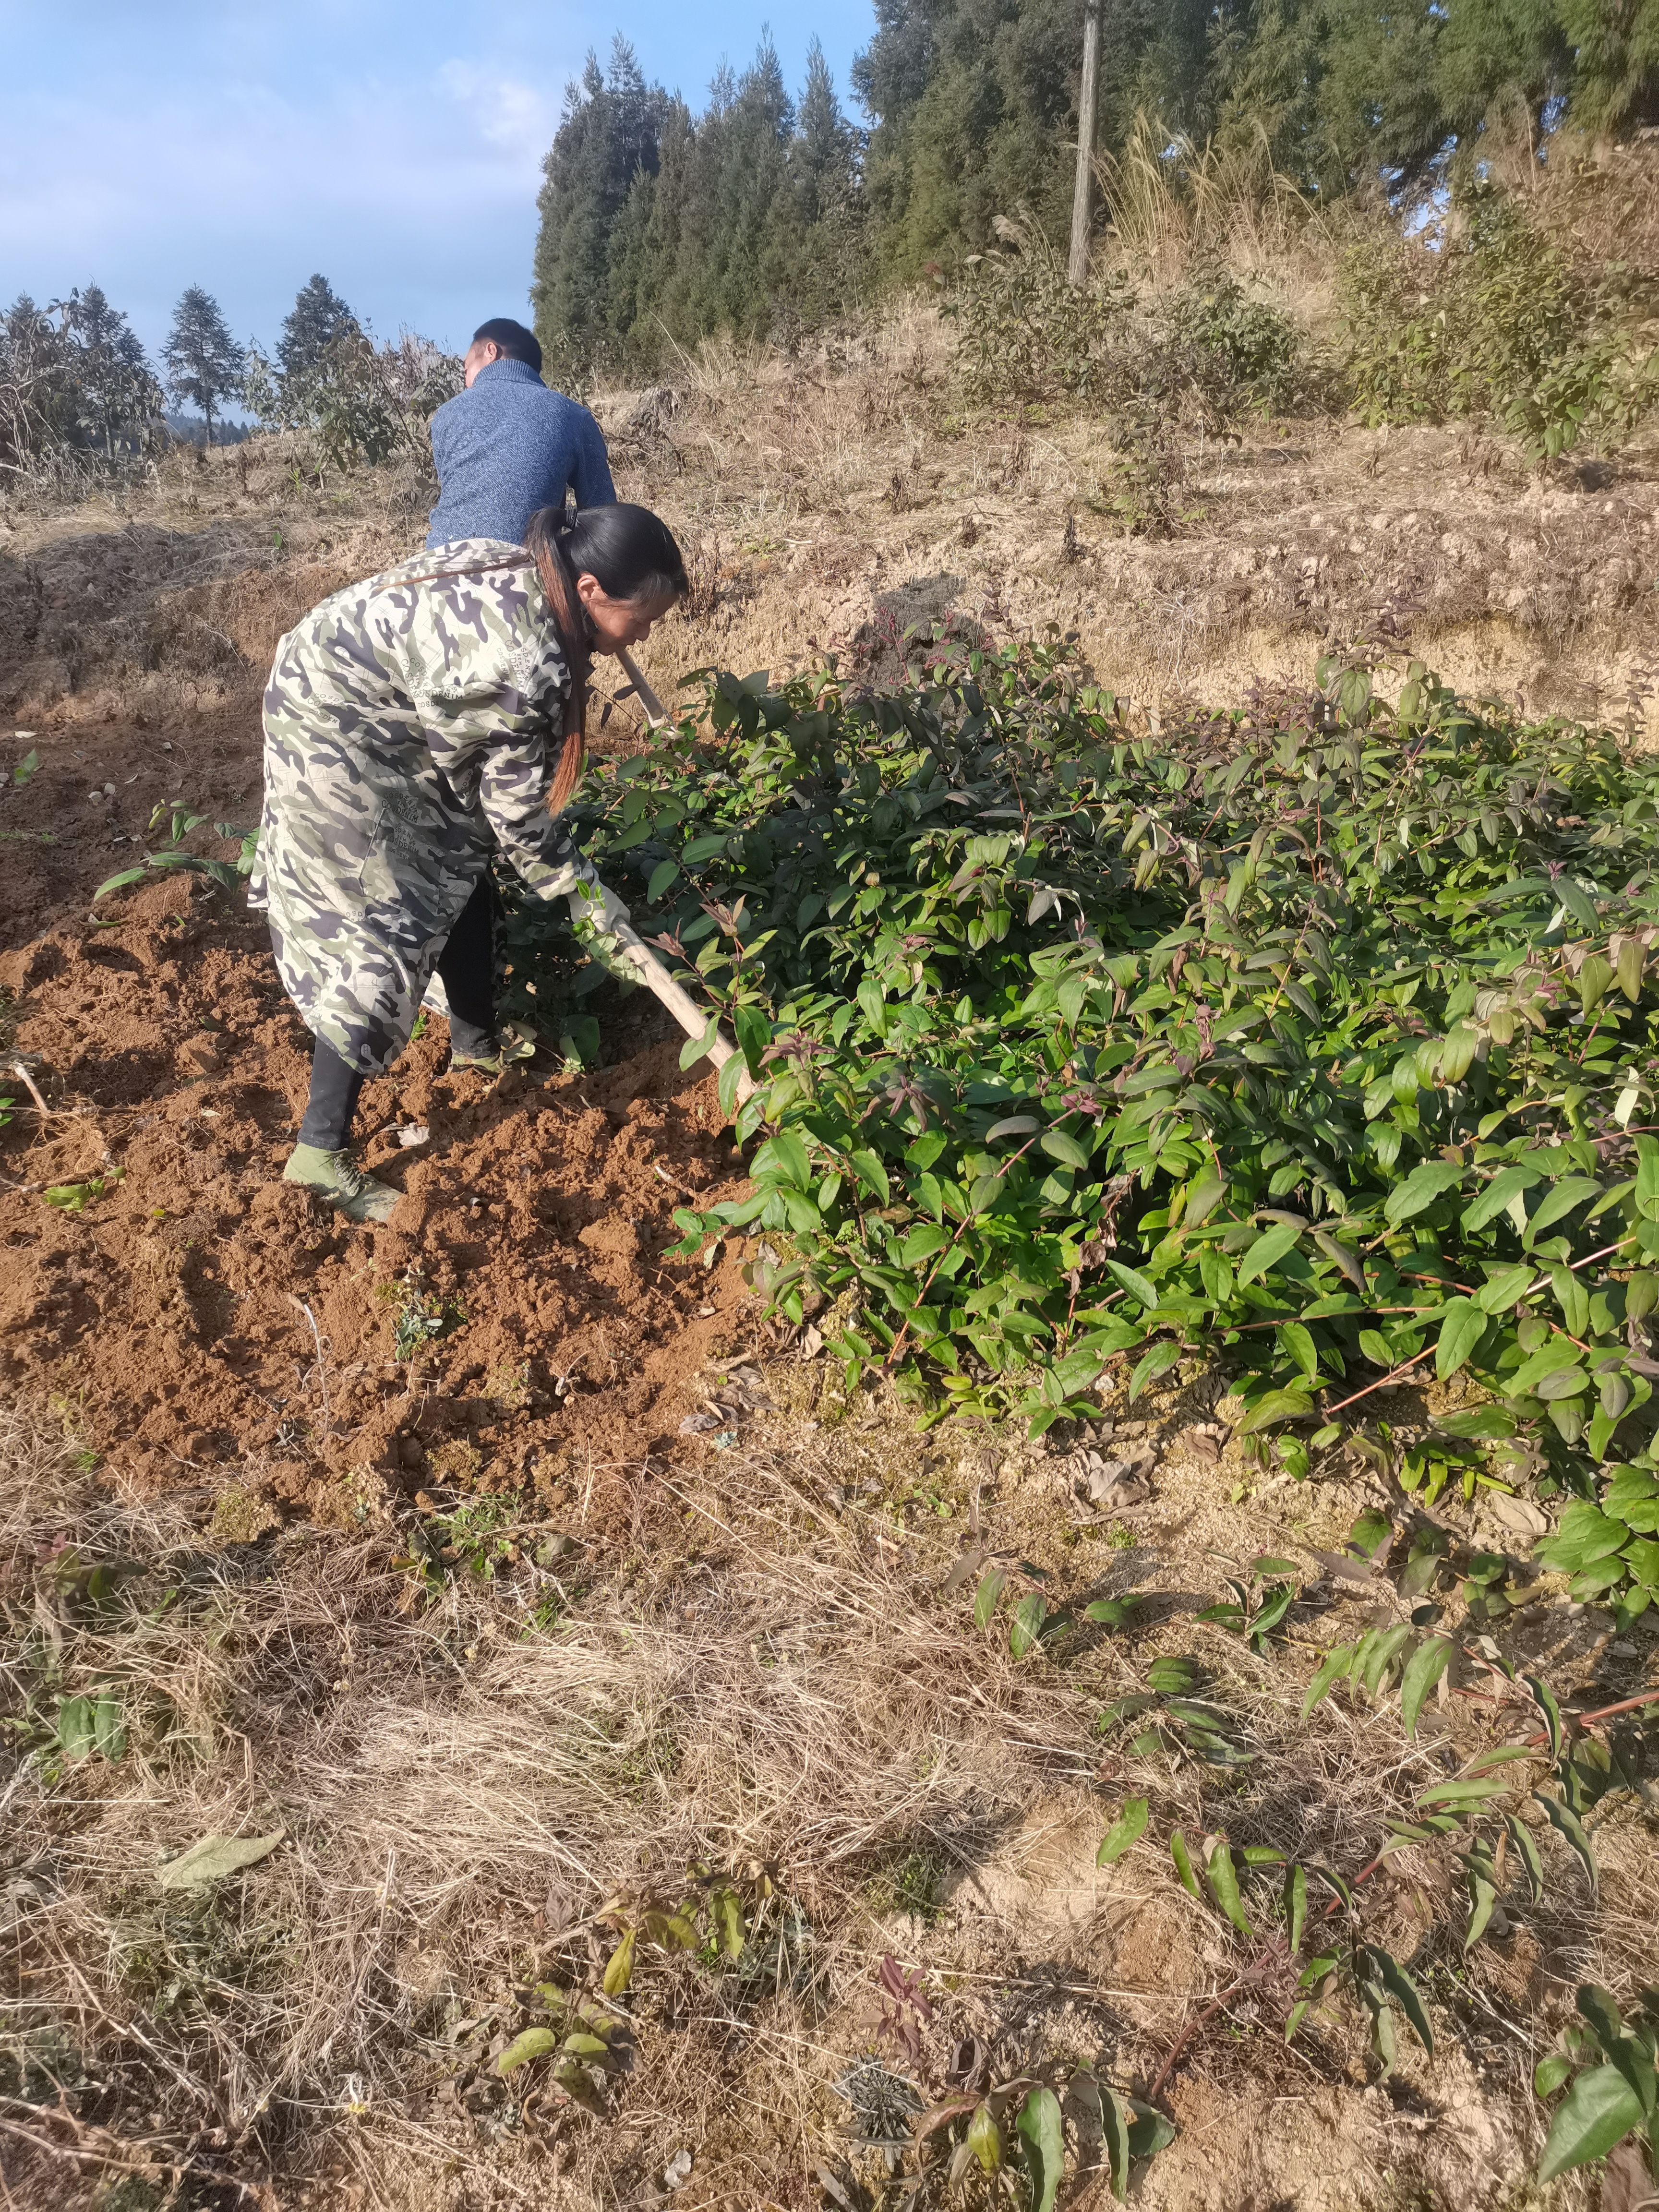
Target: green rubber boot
[511,1046]
[338,1177]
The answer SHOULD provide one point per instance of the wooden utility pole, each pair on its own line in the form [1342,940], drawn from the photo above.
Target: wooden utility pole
[1083,196]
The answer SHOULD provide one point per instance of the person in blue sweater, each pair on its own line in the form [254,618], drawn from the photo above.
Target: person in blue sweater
[507,446]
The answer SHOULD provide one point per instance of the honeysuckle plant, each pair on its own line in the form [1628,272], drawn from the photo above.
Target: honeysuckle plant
[1318,1035]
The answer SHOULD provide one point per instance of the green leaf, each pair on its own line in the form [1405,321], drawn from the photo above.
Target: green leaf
[1596,2006]
[698,1048]
[1268,1248]
[75,1730]
[1462,1325]
[1065,1149]
[1549,2074]
[783,1159]
[1405,1992]
[1423,1670]
[1183,1864]
[1333,1669]
[1288,1405]
[1568,1826]
[661,877]
[1500,1192]
[867,1166]
[1205,1191]
[728,1909]
[984,2139]
[1125,1832]
[1224,1881]
[1597,2112]
[1150,2131]
[1042,2146]
[1427,1181]
[1571,1191]
[1114,2140]
[1298,1343]
[985,1598]
[1369,1533]
[1295,1905]
[1503,1288]
[531,2042]
[1463,1791]
[619,1967]
[1480,1874]
[1544,1697]
[1025,1629]
[1525,1850]
[1158,1361]
[731,1075]
[1112,1612]
[118,882]
[754,1034]
[1138,1285]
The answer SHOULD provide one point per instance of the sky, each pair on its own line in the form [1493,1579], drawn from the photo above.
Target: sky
[394,145]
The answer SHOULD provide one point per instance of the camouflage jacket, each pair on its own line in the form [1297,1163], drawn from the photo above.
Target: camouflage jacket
[412,726]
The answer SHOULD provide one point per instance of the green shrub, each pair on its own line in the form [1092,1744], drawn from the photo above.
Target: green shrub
[1027,334]
[1237,352]
[1500,323]
[1324,1038]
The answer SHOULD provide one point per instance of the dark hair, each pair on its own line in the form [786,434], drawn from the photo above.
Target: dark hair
[516,343]
[631,554]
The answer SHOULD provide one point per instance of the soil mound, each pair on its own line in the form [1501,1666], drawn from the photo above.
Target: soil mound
[512,1322]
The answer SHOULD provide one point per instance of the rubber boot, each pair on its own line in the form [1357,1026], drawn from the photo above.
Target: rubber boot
[338,1177]
[502,1052]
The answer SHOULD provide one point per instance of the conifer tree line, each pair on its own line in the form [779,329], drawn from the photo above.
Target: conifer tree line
[77,386]
[766,212]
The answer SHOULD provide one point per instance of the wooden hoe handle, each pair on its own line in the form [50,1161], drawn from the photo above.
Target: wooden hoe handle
[639,956]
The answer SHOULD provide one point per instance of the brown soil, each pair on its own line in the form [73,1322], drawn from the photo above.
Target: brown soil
[174,1312]
[58,841]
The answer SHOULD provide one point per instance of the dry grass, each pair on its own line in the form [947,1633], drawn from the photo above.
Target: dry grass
[831,498]
[776,1679]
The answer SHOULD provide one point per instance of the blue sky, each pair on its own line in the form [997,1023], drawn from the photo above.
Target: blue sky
[149,144]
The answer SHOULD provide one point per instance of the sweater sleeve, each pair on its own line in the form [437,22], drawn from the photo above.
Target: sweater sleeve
[591,475]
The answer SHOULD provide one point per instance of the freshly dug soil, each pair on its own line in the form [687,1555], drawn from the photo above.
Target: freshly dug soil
[62,833]
[205,1323]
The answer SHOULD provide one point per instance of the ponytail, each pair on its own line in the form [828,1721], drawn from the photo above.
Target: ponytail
[631,554]
[545,540]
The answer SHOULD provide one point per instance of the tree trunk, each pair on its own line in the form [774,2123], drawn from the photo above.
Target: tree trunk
[1083,196]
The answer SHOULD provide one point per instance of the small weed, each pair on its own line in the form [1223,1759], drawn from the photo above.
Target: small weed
[174,822]
[915,1884]
[420,1317]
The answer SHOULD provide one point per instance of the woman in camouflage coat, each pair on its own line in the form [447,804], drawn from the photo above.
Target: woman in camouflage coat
[415,725]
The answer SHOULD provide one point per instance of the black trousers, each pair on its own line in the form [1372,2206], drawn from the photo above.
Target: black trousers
[467,966]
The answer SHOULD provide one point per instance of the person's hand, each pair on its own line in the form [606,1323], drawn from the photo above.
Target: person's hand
[593,902]
[594,912]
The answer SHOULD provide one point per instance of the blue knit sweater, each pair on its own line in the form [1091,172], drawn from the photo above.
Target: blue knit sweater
[507,446]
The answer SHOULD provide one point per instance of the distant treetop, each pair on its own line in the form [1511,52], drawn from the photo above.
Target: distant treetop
[318,317]
[763,216]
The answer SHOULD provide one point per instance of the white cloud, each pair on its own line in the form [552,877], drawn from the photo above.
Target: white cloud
[413,192]
[506,112]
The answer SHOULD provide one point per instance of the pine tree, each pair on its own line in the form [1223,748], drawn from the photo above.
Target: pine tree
[1615,45]
[316,320]
[204,364]
[117,398]
[606,140]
